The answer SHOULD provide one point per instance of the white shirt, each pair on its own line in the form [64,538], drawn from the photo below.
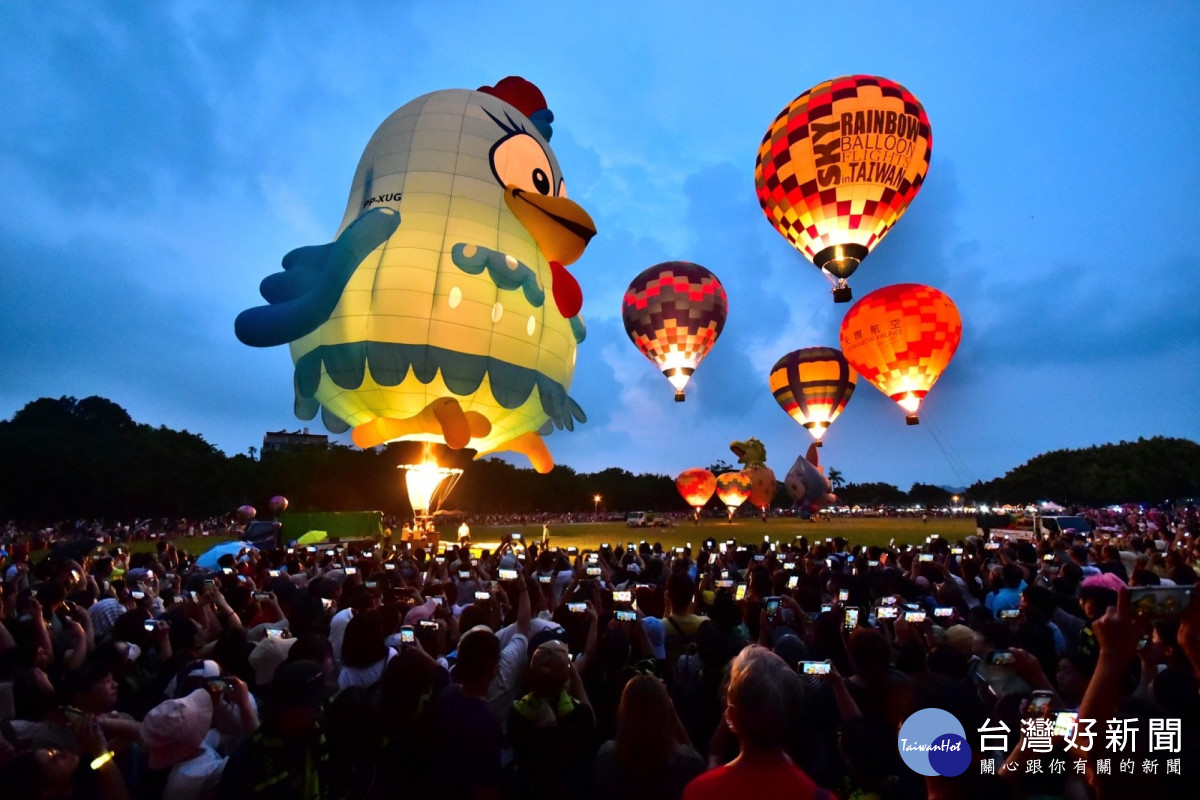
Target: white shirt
[337,631]
[196,778]
[503,689]
[364,676]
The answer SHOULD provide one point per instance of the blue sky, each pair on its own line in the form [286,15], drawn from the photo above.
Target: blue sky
[158,159]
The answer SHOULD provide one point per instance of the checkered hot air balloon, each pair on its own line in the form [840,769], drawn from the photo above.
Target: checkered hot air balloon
[733,488]
[839,166]
[900,338]
[697,486]
[813,385]
[674,313]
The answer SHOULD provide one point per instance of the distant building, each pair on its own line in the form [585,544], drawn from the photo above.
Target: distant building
[274,441]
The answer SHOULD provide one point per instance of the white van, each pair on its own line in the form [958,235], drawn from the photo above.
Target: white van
[637,519]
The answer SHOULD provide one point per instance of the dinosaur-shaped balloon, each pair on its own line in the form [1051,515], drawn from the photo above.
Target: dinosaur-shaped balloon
[443,310]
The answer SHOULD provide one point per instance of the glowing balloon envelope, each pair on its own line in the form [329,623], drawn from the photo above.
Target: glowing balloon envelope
[697,486]
[733,488]
[813,385]
[762,485]
[673,313]
[839,166]
[900,338]
[443,310]
[279,504]
[246,513]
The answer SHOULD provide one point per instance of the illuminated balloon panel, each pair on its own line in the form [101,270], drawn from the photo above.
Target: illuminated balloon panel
[443,310]
[813,385]
[733,488]
[762,485]
[673,313]
[697,486]
[279,504]
[839,166]
[900,338]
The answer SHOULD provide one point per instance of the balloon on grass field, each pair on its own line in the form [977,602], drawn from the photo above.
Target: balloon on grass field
[838,167]
[732,489]
[279,504]
[674,312]
[696,485]
[806,483]
[443,310]
[752,454]
[813,385]
[900,338]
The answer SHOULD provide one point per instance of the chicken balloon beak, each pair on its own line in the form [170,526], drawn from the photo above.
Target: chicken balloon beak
[561,228]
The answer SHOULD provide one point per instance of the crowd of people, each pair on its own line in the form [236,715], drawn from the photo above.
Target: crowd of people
[627,671]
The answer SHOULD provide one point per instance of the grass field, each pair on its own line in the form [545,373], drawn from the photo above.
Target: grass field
[859,530]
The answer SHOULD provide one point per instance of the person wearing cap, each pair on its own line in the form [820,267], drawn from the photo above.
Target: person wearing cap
[174,734]
[287,758]
[552,729]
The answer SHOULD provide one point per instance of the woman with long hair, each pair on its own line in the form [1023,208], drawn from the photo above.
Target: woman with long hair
[651,756]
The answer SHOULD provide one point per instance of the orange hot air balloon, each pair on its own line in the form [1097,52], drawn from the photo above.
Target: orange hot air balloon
[900,338]
[839,166]
[733,488]
[813,385]
[697,486]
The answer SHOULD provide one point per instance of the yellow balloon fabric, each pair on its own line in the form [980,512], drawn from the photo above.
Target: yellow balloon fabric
[733,488]
[839,166]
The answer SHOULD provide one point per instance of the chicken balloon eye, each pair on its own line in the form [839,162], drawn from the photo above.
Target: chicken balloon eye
[520,161]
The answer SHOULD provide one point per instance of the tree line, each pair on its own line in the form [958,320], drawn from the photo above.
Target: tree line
[86,459]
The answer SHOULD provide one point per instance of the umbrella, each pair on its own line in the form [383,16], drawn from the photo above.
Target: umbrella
[209,559]
[312,537]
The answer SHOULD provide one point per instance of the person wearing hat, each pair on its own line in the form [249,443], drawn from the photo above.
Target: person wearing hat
[267,656]
[174,733]
[552,729]
[287,757]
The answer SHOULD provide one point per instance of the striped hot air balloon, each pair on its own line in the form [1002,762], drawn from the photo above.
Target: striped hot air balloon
[673,313]
[839,166]
[813,385]
[900,338]
[733,488]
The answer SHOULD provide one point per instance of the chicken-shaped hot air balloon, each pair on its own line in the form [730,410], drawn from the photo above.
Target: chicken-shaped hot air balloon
[673,313]
[839,166]
[900,338]
[442,311]
[752,454]
[813,385]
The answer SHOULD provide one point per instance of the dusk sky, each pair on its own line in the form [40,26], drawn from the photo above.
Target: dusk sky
[157,160]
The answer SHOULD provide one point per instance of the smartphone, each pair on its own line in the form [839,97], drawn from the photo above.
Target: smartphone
[725,584]
[464,574]
[722,547]
[772,607]
[217,684]
[210,584]
[149,625]
[1159,602]
[577,608]
[1040,701]
[370,584]
[1001,658]
[430,624]
[826,607]
[593,572]
[326,602]
[872,563]
[793,581]
[886,612]
[943,611]
[914,616]
[261,596]
[992,546]
[851,618]
[1010,613]
[545,578]
[818,668]
[194,595]
[389,565]
[438,599]
[889,600]
[407,634]
[1065,723]
[136,595]
[740,592]
[272,573]
[351,570]
[724,573]
[622,596]
[275,633]
[517,537]
[572,550]
[956,551]
[310,549]
[1048,557]
[439,559]
[626,616]
[843,595]
[508,574]
[925,557]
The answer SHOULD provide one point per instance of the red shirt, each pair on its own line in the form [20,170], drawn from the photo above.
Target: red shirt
[736,780]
